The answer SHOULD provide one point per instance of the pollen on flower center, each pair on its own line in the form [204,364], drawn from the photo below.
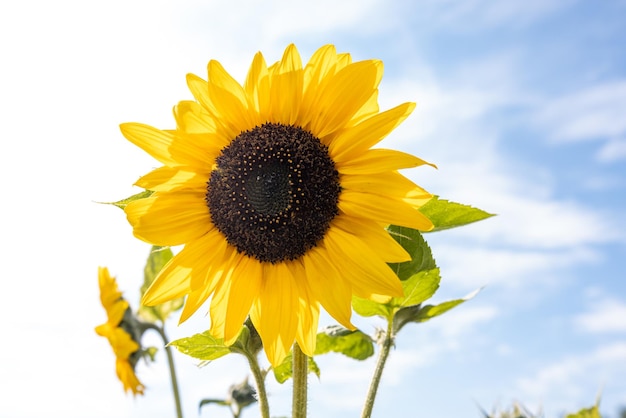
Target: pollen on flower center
[274,192]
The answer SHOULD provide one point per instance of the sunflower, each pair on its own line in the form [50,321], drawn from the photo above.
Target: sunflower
[124,346]
[278,197]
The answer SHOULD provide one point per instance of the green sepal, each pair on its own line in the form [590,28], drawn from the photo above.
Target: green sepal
[202,346]
[150,352]
[124,202]
[159,257]
[354,344]
[445,214]
[419,313]
[284,370]
[414,244]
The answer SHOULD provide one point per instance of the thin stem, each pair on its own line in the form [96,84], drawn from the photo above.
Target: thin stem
[385,349]
[300,371]
[170,361]
[260,384]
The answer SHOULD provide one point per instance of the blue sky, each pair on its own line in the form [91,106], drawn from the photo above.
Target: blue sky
[521,104]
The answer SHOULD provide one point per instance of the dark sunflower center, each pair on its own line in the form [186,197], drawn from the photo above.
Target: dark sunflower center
[274,192]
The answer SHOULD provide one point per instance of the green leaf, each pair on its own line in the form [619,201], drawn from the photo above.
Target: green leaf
[445,214]
[284,370]
[202,346]
[366,307]
[593,412]
[124,202]
[418,288]
[207,401]
[419,313]
[430,311]
[159,257]
[414,244]
[354,344]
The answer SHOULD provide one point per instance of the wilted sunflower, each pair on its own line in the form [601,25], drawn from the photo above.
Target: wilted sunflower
[276,194]
[124,346]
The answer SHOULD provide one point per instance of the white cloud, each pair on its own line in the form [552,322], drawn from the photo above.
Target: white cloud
[593,113]
[480,14]
[613,150]
[605,315]
[470,266]
[573,381]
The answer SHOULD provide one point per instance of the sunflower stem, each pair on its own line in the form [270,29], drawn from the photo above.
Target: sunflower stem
[300,371]
[170,362]
[259,379]
[385,349]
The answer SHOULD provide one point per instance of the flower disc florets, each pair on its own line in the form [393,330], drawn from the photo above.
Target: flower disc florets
[274,192]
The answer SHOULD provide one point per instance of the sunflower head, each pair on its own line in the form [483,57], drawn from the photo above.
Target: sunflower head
[278,197]
[119,331]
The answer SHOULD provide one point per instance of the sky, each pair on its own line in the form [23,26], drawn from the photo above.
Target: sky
[521,104]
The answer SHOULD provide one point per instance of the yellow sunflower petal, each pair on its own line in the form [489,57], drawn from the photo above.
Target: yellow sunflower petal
[175,278]
[169,219]
[245,286]
[198,134]
[344,95]
[155,142]
[216,276]
[379,160]
[370,108]
[193,302]
[322,62]
[127,376]
[353,142]
[230,101]
[273,312]
[328,286]
[390,183]
[308,310]
[375,236]
[360,264]
[174,178]
[200,90]
[286,87]
[257,88]
[192,118]
[109,292]
[384,209]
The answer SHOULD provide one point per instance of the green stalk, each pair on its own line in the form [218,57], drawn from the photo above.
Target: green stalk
[260,384]
[300,372]
[385,349]
[170,362]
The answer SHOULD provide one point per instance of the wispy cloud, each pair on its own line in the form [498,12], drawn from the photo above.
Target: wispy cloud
[578,377]
[593,113]
[481,14]
[606,315]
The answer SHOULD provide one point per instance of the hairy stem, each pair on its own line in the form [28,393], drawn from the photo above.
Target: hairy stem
[259,379]
[300,371]
[385,349]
